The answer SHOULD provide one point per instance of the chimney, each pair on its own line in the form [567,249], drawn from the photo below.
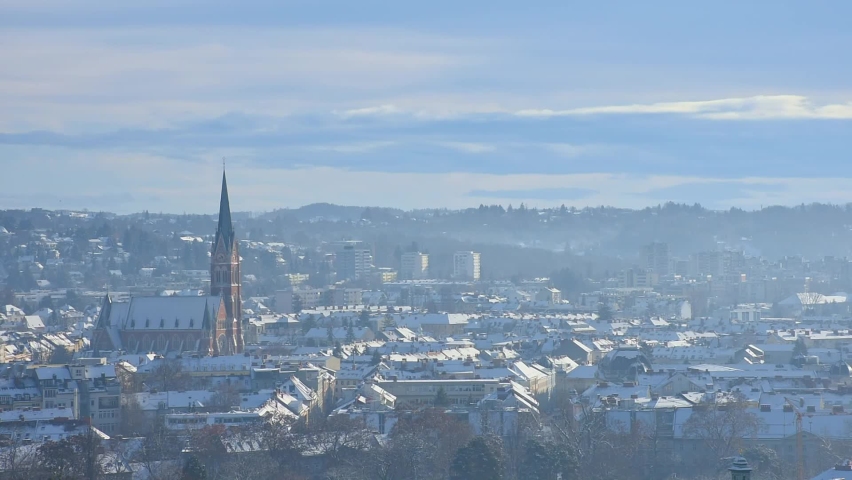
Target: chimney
[740,470]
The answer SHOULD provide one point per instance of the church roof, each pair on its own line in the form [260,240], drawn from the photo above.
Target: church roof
[180,313]
[225,228]
[163,313]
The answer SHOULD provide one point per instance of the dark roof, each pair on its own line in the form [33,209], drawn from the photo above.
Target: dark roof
[225,228]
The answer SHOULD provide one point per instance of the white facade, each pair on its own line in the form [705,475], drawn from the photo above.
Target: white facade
[466,265]
[353,261]
[414,266]
[655,257]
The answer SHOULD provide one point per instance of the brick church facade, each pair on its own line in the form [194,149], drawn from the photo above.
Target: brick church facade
[206,325]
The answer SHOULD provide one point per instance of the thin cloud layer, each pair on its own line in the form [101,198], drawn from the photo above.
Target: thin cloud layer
[761,107]
[469,147]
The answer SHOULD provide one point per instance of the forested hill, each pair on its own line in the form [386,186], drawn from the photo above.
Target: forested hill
[813,231]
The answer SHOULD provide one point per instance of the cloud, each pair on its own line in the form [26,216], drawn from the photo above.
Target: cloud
[469,147]
[364,147]
[715,192]
[368,111]
[758,107]
[73,78]
[561,194]
[570,150]
[97,202]
[761,107]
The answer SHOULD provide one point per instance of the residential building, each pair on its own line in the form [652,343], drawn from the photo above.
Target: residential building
[353,260]
[337,296]
[414,266]
[632,278]
[413,393]
[550,295]
[294,299]
[655,258]
[386,275]
[99,393]
[466,266]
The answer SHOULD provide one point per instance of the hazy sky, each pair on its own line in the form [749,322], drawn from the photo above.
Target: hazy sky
[127,106]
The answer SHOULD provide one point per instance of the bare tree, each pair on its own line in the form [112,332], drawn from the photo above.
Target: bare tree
[74,457]
[248,458]
[422,446]
[18,461]
[225,398]
[159,454]
[340,439]
[133,420]
[169,375]
[208,444]
[722,427]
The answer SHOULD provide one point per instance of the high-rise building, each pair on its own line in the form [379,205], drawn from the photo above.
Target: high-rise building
[414,266]
[655,257]
[353,260]
[707,263]
[466,266]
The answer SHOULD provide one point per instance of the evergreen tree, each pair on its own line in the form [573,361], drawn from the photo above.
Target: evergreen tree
[545,461]
[478,460]
[364,319]
[350,334]
[604,312]
[376,358]
[193,469]
[441,398]
[61,356]
[800,348]
[309,323]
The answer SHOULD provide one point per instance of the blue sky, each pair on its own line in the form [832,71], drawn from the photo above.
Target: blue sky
[423,104]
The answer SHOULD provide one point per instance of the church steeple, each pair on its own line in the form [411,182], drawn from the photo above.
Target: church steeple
[225,229]
[225,280]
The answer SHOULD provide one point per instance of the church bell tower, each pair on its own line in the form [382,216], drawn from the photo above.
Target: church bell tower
[225,279]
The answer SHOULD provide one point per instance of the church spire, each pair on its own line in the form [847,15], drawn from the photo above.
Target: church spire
[225,229]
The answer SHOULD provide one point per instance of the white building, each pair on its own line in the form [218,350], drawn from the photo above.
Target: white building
[353,260]
[414,266]
[655,258]
[466,265]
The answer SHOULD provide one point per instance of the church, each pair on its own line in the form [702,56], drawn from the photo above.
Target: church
[205,325]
